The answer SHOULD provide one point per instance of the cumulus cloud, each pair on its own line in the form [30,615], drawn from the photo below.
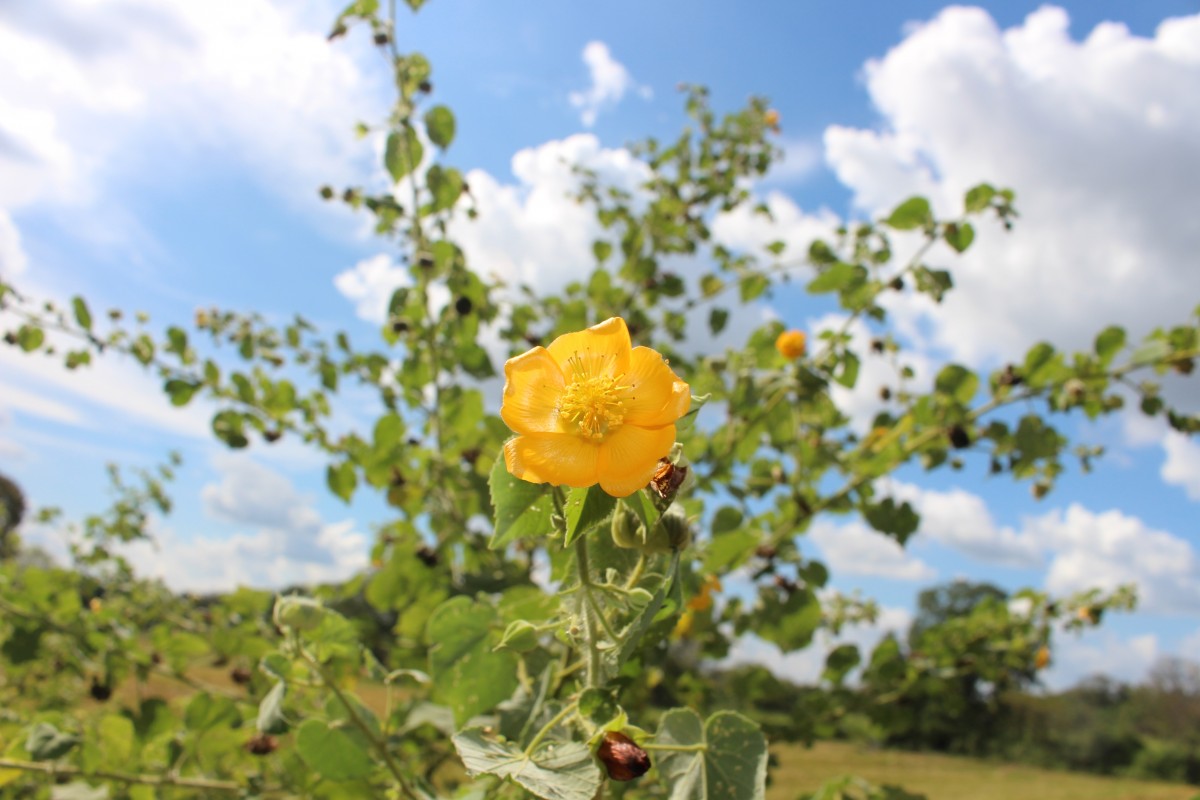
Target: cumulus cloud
[855,549]
[82,83]
[1080,656]
[1182,465]
[13,259]
[288,541]
[610,82]
[1099,137]
[1110,548]
[961,520]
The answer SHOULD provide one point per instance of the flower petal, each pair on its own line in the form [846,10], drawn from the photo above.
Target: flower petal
[557,458]
[630,455]
[602,349]
[533,387]
[656,395]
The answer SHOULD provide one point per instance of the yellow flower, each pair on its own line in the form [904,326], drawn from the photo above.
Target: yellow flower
[791,344]
[771,118]
[591,408]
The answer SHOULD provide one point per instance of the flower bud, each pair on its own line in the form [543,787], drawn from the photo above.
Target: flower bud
[1042,659]
[791,344]
[298,613]
[627,529]
[623,759]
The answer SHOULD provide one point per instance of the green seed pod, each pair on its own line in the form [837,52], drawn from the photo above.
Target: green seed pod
[627,529]
[298,613]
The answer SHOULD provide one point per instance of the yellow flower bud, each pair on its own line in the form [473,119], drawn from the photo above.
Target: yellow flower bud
[791,344]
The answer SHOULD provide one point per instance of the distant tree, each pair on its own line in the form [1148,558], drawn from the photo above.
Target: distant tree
[947,601]
[12,510]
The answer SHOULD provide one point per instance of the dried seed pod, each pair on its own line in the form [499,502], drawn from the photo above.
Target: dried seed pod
[262,744]
[622,757]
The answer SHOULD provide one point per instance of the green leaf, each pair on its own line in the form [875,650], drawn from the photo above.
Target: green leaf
[585,509]
[521,509]
[439,124]
[710,284]
[848,374]
[1150,352]
[402,153]
[342,479]
[208,711]
[180,391]
[912,213]
[1108,342]
[82,315]
[471,677]
[718,318]
[46,742]
[602,250]
[899,522]
[561,771]
[836,278]
[333,752]
[839,662]
[752,286]
[30,337]
[270,710]
[446,186]
[957,382]
[979,197]
[732,764]
[789,623]
[116,737]
[959,235]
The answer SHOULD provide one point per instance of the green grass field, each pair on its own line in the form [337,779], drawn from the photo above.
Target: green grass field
[952,778]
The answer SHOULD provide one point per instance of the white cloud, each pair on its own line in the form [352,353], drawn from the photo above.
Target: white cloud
[961,520]
[89,89]
[369,284]
[610,82]
[290,542]
[1111,548]
[1182,465]
[1100,652]
[855,549]
[13,259]
[1100,138]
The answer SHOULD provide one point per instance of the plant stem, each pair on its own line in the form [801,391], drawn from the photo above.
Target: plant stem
[352,711]
[540,736]
[589,624]
[677,748]
[52,768]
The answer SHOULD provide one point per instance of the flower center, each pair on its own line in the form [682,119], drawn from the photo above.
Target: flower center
[594,404]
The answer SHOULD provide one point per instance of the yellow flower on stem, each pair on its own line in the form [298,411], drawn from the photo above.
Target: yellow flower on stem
[591,408]
[791,344]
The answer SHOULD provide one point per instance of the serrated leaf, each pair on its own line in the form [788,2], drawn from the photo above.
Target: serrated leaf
[718,318]
[46,742]
[472,678]
[731,763]
[836,278]
[334,753]
[561,771]
[585,509]
[979,197]
[521,509]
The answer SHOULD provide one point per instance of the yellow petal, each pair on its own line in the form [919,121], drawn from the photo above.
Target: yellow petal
[600,350]
[556,458]
[533,386]
[629,457]
[656,395]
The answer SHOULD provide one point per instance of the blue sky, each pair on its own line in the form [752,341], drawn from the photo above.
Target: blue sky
[166,156]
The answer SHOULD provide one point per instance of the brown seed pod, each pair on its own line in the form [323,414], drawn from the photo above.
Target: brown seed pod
[667,478]
[622,757]
[100,691]
[261,744]
[240,675]
[959,437]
